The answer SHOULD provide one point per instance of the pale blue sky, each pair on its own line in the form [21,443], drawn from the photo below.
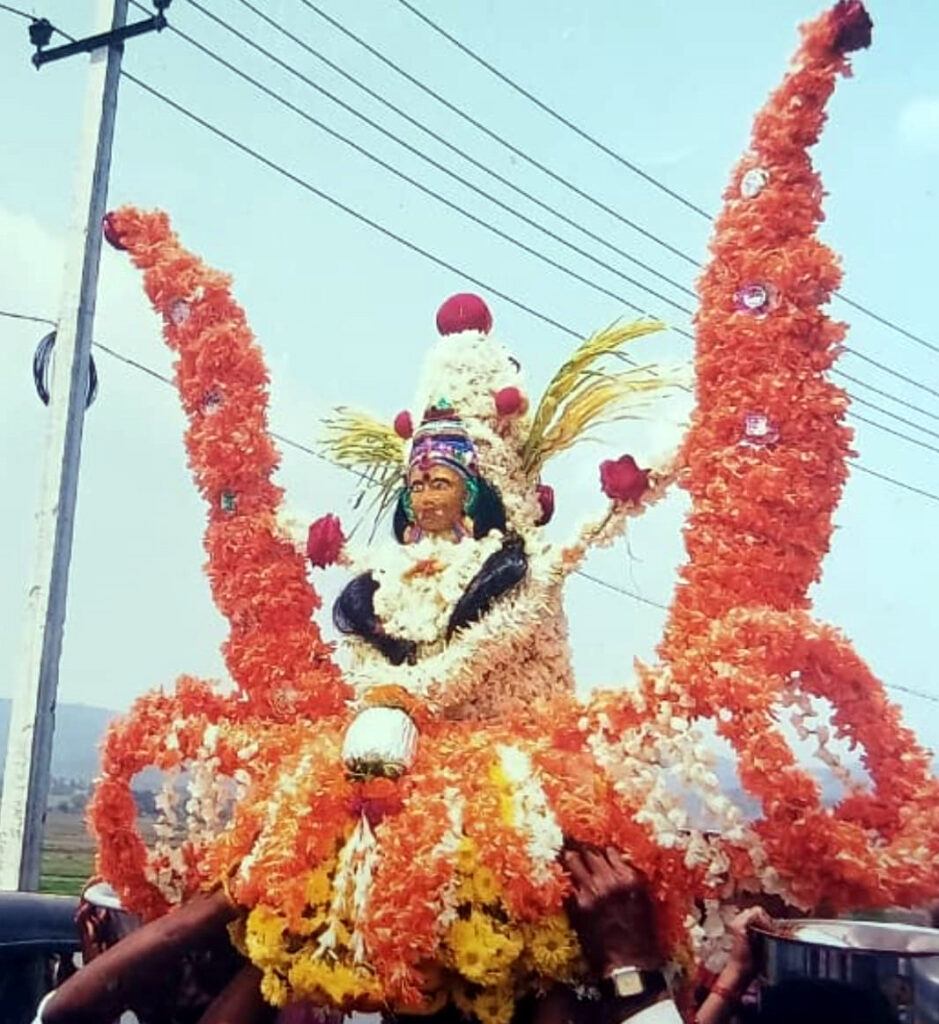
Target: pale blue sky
[345,314]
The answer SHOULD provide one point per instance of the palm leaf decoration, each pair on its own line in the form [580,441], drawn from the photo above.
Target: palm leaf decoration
[371,449]
[584,393]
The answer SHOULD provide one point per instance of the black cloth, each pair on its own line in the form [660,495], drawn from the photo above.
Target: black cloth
[354,610]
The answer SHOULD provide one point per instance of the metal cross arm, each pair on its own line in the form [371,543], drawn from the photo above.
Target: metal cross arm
[40,32]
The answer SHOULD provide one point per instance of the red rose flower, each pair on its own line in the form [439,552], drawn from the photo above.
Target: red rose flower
[510,402]
[324,541]
[464,312]
[852,26]
[404,427]
[623,480]
[109,230]
[545,494]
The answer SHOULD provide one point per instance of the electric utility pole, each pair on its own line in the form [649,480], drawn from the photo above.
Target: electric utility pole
[32,720]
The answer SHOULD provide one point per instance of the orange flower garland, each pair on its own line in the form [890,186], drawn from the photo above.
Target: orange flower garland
[738,638]
[275,653]
[132,744]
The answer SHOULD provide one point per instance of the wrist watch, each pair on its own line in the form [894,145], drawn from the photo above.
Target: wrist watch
[629,982]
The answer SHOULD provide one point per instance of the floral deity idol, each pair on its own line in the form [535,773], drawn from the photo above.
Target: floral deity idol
[458,562]
[443,502]
[462,618]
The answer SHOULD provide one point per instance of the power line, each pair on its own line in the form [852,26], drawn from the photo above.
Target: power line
[896,373]
[544,169]
[277,97]
[621,590]
[532,198]
[413,246]
[436,259]
[425,129]
[34,18]
[16,10]
[338,204]
[440,262]
[887,323]
[521,154]
[892,479]
[886,412]
[163,379]
[427,190]
[619,158]
[932,698]
[23,316]
[914,693]
[896,433]
[425,253]
[133,362]
[886,394]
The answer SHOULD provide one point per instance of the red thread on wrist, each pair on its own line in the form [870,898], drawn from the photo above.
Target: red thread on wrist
[728,995]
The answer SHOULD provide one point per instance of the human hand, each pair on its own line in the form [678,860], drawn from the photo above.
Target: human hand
[611,911]
[742,962]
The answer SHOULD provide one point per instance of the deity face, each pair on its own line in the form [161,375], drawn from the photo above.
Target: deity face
[437,497]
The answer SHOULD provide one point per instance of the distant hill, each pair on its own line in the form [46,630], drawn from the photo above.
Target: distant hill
[79,730]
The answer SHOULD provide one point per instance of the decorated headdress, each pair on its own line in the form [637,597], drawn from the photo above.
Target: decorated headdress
[442,440]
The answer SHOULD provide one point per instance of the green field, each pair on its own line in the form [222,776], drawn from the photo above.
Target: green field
[67,854]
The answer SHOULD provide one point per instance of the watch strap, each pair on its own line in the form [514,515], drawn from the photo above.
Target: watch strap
[650,983]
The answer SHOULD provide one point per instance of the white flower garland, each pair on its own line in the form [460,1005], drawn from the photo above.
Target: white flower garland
[531,813]
[518,650]
[446,850]
[355,870]
[420,584]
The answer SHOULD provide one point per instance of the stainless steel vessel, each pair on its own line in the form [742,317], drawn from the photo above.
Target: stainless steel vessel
[899,961]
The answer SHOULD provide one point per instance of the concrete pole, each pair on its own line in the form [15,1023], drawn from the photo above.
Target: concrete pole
[32,721]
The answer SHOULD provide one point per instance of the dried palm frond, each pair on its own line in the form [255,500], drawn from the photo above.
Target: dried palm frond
[371,449]
[605,400]
[582,394]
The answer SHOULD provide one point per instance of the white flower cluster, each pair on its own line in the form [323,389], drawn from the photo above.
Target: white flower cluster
[193,806]
[808,724]
[531,813]
[355,869]
[517,652]
[165,865]
[667,768]
[277,810]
